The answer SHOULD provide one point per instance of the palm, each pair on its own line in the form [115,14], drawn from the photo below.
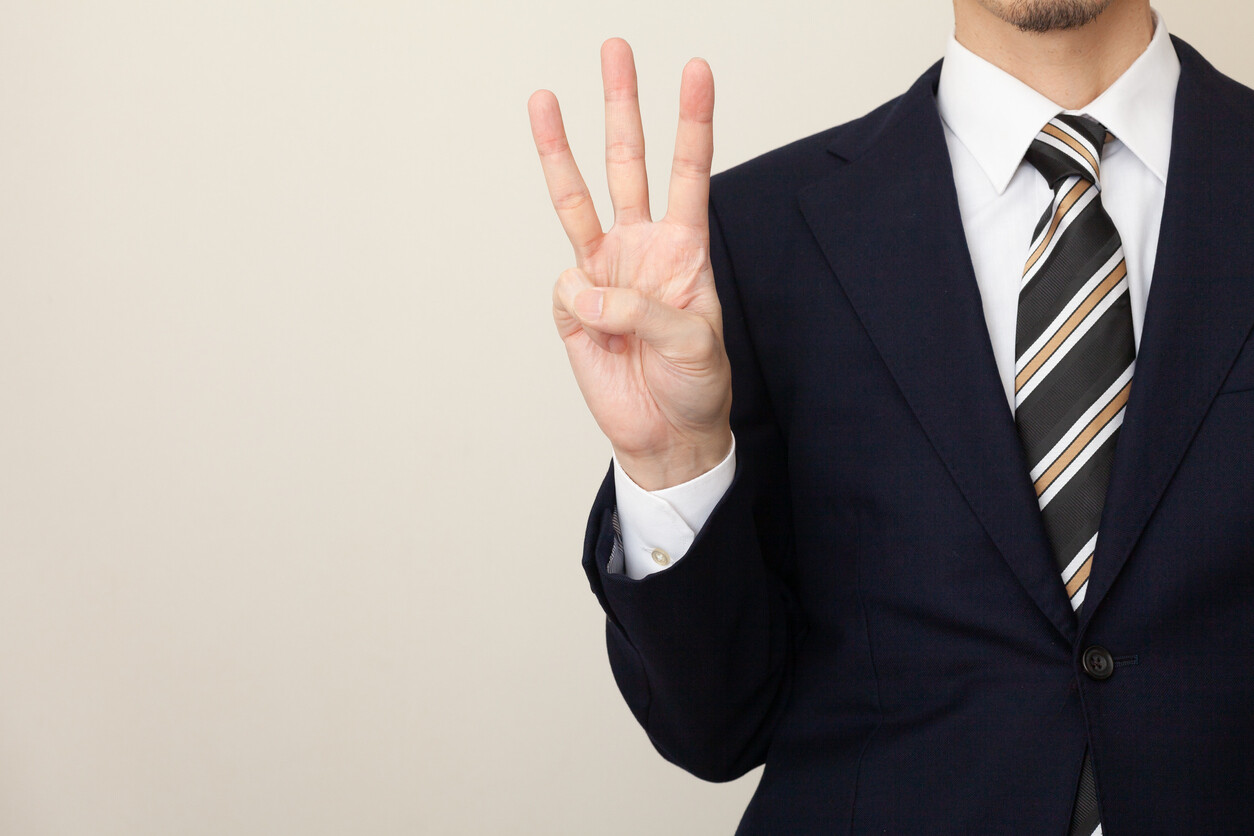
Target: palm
[639,396]
[651,364]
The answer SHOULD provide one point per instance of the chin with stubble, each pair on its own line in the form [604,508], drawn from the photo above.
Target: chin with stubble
[1046,15]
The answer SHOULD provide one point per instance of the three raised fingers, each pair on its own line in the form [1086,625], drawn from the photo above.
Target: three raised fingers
[689,192]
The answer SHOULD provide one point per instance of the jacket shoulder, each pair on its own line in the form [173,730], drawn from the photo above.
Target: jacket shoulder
[1201,73]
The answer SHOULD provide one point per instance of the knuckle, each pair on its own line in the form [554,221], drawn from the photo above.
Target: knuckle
[628,208]
[552,146]
[701,346]
[638,306]
[567,201]
[623,152]
[617,94]
[690,168]
[586,243]
[707,344]
[624,307]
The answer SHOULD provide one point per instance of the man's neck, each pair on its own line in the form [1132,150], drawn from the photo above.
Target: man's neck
[1071,67]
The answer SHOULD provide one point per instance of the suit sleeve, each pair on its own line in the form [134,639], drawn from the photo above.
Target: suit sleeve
[702,653]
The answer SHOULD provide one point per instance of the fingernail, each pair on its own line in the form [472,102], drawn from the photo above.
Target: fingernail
[588,304]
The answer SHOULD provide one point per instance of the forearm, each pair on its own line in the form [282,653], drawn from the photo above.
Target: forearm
[701,652]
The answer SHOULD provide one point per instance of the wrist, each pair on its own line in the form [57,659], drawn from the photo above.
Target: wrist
[680,463]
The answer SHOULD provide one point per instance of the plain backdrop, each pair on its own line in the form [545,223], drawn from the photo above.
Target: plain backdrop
[293,473]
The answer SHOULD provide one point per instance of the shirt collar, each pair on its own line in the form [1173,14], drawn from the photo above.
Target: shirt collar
[996,116]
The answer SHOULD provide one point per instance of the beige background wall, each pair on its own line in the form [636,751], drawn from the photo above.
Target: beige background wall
[292,471]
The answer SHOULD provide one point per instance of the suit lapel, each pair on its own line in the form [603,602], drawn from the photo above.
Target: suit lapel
[889,226]
[1201,306]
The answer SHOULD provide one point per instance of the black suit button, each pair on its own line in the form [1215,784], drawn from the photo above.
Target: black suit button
[1098,663]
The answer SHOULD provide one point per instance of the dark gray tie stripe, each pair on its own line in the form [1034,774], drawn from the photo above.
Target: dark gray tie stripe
[1075,505]
[1084,815]
[1074,351]
[1081,250]
[1057,403]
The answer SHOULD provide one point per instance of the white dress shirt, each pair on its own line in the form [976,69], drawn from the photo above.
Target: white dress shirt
[990,118]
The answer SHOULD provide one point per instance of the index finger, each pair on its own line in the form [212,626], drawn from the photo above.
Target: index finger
[689,196]
[566,185]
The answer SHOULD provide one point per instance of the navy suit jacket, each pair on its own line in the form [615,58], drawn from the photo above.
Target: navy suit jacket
[873,610]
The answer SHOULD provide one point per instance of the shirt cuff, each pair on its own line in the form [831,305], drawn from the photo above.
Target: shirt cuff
[657,527]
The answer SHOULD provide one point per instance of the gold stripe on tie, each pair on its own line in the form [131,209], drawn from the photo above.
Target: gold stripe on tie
[1099,293]
[1078,579]
[1101,420]
[1067,202]
[1076,145]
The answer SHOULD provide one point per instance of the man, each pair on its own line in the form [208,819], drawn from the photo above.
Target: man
[871,418]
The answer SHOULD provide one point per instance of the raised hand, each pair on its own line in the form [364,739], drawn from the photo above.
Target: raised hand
[638,313]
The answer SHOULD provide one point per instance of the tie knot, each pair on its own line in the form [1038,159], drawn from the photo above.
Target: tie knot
[1068,146]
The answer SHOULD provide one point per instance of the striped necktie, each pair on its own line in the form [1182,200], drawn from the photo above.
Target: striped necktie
[1074,356]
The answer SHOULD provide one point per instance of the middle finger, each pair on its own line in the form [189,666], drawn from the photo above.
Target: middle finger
[624,135]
